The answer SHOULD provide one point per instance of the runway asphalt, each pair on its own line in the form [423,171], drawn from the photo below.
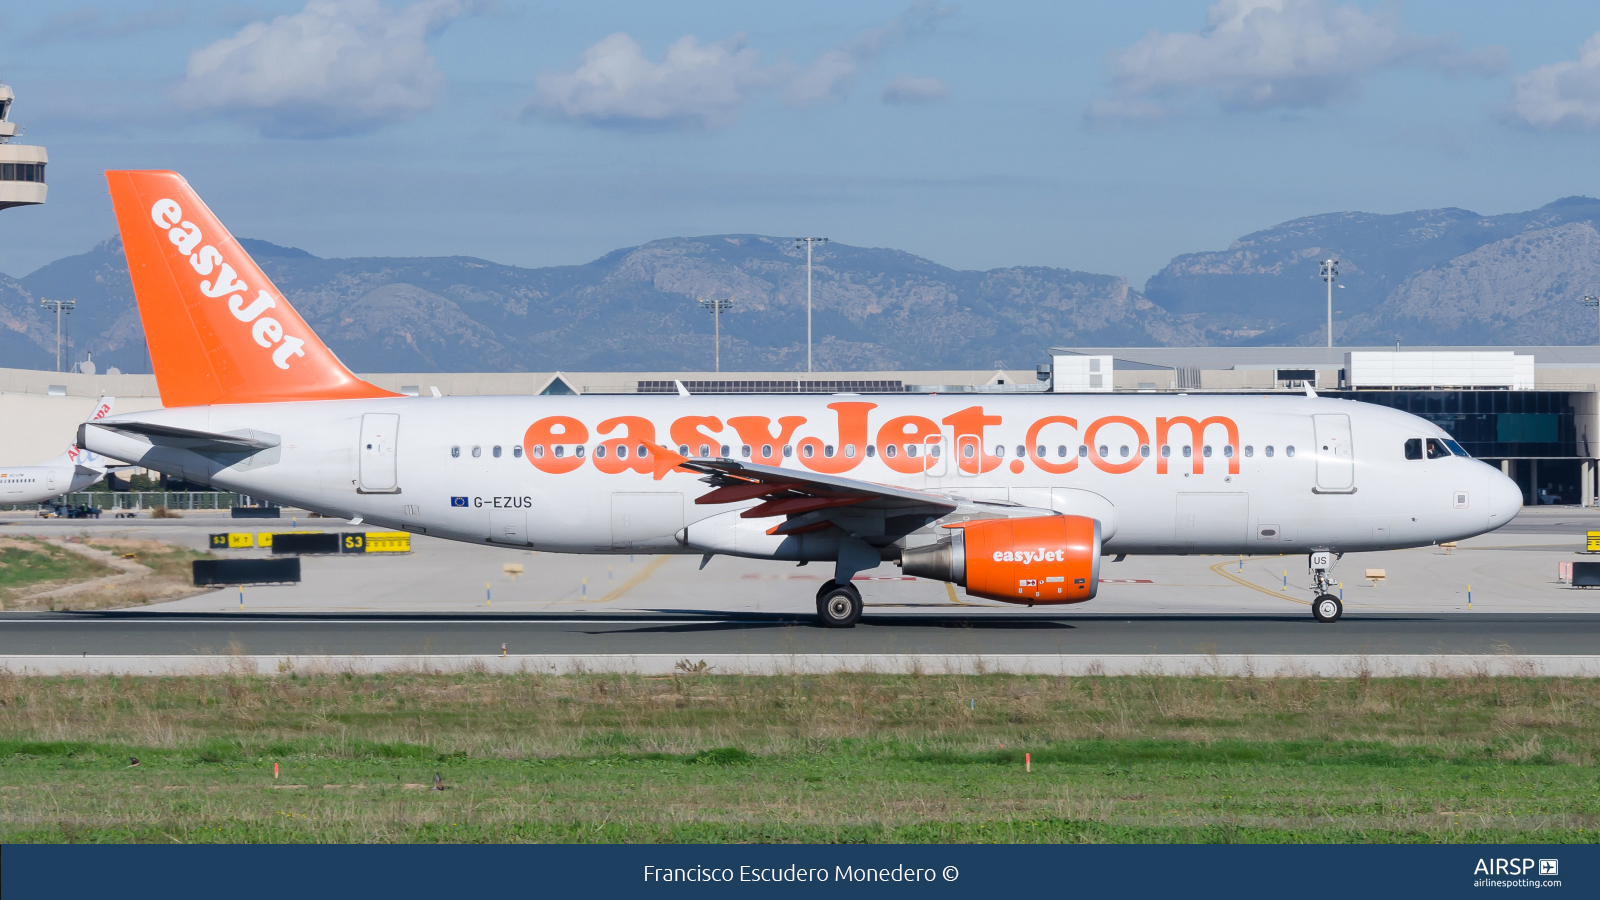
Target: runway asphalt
[691,633]
[1511,571]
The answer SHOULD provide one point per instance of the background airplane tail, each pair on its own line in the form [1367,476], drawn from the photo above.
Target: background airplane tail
[76,456]
[218,330]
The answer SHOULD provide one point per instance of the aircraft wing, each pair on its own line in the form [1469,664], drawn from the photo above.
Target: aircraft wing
[793,493]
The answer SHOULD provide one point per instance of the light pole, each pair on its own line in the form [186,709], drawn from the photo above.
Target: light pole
[809,242]
[1591,301]
[62,307]
[716,307]
[1330,271]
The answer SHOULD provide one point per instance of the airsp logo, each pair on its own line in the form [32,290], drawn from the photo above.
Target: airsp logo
[1514,866]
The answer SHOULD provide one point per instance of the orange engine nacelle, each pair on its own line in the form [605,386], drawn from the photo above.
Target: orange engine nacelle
[1040,559]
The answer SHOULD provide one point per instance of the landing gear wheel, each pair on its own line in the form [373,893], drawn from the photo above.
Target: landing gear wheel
[838,605]
[1327,608]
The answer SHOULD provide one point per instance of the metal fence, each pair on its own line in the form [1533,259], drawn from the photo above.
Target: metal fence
[109,500]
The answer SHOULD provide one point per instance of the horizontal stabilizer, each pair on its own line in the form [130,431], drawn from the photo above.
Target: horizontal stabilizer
[247,441]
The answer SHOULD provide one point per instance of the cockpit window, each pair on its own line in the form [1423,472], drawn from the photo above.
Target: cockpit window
[1437,449]
[1414,448]
[1457,449]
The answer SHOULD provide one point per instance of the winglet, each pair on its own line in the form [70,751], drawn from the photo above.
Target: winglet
[682,391]
[1310,392]
[665,460]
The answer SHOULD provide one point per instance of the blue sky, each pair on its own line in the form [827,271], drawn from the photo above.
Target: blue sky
[1094,136]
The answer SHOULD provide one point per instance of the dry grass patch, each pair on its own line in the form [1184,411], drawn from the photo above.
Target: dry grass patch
[163,573]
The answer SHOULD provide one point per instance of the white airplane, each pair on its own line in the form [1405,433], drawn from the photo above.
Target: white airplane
[73,470]
[1016,498]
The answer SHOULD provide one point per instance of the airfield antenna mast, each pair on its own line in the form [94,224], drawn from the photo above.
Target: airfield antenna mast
[716,307]
[61,307]
[1591,301]
[809,242]
[1330,271]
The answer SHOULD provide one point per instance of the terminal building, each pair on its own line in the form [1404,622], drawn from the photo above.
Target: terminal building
[21,165]
[1532,411]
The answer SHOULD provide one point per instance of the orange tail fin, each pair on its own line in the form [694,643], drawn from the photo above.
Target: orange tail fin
[219,331]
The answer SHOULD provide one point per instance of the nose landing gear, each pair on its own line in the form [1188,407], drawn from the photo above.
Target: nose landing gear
[1327,608]
[838,605]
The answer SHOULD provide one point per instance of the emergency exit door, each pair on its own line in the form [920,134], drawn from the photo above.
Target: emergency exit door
[1336,463]
[377,453]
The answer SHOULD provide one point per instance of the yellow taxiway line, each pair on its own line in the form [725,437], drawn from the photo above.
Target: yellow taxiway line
[1281,595]
[950,589]
[639,578]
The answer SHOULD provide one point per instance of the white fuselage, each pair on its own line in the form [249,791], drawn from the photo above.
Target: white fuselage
[36,484]
[463,468]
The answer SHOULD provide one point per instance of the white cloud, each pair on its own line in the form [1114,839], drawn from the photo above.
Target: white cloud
[915,89]
[829,77]
[1561,95]
[1266,54]
[699,86]
[335,67]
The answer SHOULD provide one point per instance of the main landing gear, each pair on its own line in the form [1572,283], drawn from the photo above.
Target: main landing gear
[838,605]
[1327,607]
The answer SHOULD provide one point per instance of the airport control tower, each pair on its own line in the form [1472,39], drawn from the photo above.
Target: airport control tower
[21,166]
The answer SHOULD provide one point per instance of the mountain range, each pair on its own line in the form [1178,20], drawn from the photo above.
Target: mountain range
[1434,276]
[1444,276]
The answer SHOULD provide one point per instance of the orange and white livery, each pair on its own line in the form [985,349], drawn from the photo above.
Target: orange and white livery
[1016,498]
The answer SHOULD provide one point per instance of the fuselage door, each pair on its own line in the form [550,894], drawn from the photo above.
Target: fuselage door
[640,520]
[1336,462]
[377,452]
[1212,521]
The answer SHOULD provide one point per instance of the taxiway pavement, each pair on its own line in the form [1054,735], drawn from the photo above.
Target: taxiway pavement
[1496,597]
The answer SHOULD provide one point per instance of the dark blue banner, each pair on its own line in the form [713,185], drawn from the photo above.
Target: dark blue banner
[1188,871]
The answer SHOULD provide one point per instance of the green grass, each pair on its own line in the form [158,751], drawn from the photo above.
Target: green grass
[803,758]
[28,564]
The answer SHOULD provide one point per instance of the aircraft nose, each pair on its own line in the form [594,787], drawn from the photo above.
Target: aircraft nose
[1505,499]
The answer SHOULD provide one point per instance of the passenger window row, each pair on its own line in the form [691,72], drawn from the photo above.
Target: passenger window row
[1414,449]
[495,451]
[1144,450]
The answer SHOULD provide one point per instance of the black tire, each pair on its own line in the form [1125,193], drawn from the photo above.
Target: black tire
[838,605]
[1327,608]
